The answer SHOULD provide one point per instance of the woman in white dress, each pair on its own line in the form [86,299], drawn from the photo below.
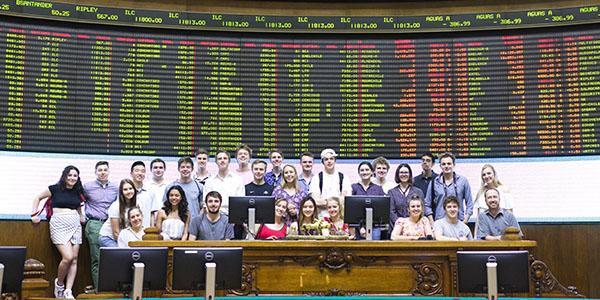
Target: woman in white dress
[174,218]
[135,230]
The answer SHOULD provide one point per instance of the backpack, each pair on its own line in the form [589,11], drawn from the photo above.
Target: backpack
[321,181]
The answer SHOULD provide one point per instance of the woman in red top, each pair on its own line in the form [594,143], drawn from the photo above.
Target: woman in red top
[278,230]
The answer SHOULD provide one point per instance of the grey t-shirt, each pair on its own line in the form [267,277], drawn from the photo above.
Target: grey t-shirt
[204,229]
[193,194]
[448,229]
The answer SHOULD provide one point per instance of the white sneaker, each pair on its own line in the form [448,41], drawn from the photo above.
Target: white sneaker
[68,294]
[59,290]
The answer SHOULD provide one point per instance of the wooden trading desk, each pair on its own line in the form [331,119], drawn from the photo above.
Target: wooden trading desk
[362,267]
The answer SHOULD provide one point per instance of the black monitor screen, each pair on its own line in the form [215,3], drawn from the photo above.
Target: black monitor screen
[264,205]
[512,271]
[13,259]
[116,268]
[189,270]
[355,209]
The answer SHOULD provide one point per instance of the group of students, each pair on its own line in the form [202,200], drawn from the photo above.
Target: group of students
[195,205]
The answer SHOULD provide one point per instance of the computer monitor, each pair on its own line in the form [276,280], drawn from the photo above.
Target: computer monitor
[12,265]
[512,271]
[120,270]
[207,268]
[367,210]
[252,210]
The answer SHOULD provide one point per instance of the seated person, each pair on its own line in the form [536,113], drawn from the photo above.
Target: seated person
[494,220]
[212,224]
[306,217]
[292,214]
[135,230]
[336,217]
[415,226]
[173,218]
[278,230]
[450,228]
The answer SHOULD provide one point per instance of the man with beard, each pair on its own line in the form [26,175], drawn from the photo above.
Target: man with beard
[212,225]
[494,221]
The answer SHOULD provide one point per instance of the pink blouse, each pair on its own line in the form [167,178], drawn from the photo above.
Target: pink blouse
[408,228]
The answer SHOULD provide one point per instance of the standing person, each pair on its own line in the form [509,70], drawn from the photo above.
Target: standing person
[448,184]
[493,222]
[243,155]
[400,194]
[193,190]
[273,177]
[135,230]
[329,183]
[145,198]
[101,194]
[382,167]
[212,225]
[258,186]
[489,180]
[306,161]
[366,187]
[157,184]
[202,173]
[225,182]
[117,214]
[290,188]
[277,230]
[415,226]
[174,217]
[449,228]
[67,197]
[427,175]
[157,167]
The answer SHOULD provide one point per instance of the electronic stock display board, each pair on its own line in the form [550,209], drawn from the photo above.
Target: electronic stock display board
[366,86]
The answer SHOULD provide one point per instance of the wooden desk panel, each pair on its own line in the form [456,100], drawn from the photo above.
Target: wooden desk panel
[356,267]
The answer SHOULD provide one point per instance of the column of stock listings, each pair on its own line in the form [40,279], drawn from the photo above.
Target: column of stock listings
[112,90]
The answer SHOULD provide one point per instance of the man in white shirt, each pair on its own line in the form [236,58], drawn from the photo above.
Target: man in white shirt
[144,197]
[201,174]
[225,182]
[243,154]
[329,183]
[156,186]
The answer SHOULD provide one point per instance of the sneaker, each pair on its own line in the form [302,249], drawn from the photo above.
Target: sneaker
[68,294]
[58,289]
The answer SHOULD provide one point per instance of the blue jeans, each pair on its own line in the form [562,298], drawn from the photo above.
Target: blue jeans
[107,241]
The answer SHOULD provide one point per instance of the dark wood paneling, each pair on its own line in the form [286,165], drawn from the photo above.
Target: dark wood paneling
[571,251]
[39,246]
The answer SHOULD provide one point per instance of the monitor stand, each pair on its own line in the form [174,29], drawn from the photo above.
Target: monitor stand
[211,278]
[1,277]
[369,223]
[492,279]
[251,223]
[138,281]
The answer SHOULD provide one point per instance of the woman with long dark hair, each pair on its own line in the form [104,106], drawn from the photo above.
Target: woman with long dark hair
[66,199]
[117,214]
[174,218]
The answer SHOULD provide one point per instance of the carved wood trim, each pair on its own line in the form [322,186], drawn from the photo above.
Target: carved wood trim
[248,273]
[545,282]
[428,280]
[334,259]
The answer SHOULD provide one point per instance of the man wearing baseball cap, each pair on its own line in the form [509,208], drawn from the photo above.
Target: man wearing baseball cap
[329,182]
